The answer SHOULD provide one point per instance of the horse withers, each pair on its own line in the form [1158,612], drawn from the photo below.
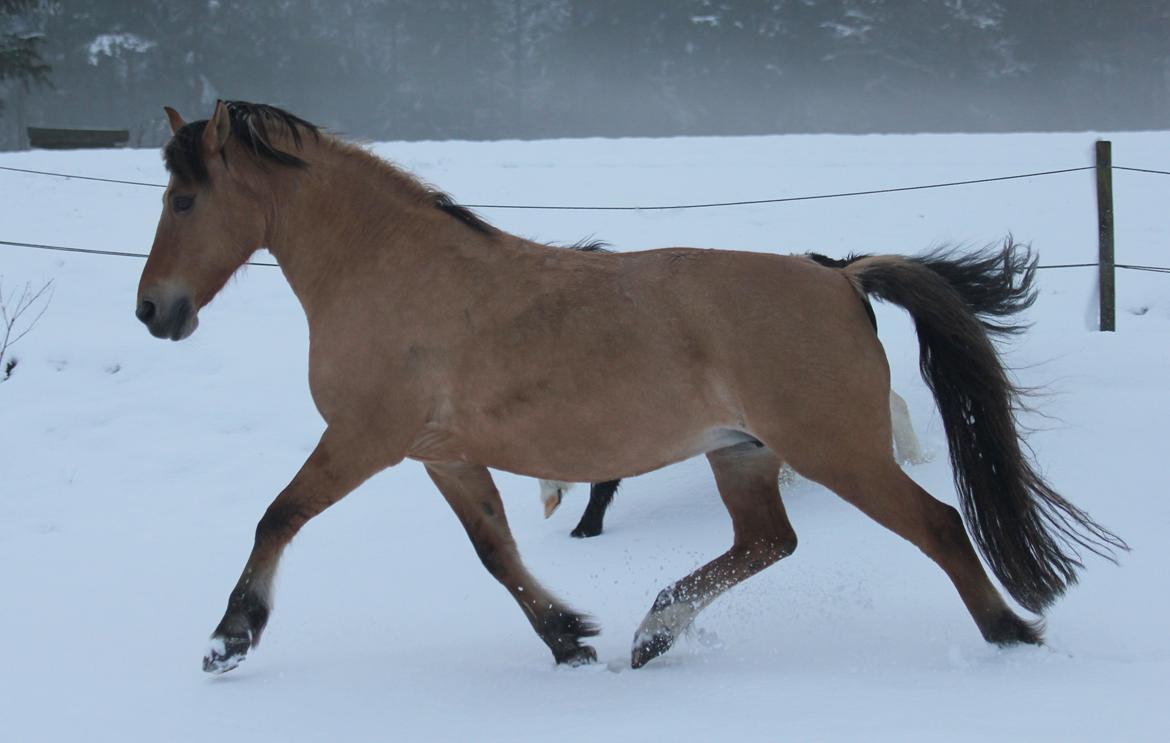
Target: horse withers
[435,336]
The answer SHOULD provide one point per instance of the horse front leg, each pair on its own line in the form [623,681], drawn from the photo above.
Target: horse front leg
[470,492]
[336,467]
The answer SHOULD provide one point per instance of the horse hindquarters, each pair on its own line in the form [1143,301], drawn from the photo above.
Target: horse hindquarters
[829,417]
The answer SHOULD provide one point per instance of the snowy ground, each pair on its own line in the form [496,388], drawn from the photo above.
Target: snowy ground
[132,472]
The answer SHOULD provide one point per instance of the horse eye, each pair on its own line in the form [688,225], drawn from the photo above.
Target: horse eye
[182,203]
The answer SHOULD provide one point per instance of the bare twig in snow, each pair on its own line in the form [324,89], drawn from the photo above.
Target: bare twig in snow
[16,320]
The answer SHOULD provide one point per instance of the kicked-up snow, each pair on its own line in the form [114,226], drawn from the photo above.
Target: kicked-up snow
[133,471]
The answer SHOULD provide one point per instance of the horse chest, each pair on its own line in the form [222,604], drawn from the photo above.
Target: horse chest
[358,380]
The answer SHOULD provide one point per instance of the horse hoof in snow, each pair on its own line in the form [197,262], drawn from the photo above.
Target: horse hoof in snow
[225,653]
[649,646]
[583,655]
[586,530]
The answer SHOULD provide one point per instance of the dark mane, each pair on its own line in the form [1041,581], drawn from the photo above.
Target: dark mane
[590,245]
[254,124]
[584,245]
[828,262]
[251,124]
[446,204]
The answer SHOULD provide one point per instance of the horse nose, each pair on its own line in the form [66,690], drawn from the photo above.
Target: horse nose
[146,311]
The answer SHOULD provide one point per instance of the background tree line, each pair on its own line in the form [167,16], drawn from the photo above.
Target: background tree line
[482,69]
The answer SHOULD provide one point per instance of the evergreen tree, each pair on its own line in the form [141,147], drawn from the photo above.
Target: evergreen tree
[20,46]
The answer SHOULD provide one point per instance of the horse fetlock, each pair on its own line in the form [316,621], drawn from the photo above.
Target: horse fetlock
[247,613]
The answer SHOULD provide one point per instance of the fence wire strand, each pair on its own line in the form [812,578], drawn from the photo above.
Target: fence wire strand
[72,176]
[663,207]
[780,200]
[1142,170]
[709,205]
[92,251]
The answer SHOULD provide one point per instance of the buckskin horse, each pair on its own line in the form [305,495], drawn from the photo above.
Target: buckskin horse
[435,336]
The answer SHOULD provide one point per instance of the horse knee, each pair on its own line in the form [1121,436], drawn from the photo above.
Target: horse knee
[279,523]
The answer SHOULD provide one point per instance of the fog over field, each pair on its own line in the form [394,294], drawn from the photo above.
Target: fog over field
[523,69]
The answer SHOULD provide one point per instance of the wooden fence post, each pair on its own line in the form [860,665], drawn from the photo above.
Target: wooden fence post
[1105,270]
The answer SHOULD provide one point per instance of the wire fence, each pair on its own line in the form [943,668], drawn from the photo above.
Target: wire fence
[660,207]
[91,251]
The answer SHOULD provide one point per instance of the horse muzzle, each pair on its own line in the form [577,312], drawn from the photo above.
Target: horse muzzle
[168,317]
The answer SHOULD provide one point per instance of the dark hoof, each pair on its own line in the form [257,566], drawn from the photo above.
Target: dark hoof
[585,530]
[1010,629]
[225,653]
[648,648]
[582,655]
[563,631]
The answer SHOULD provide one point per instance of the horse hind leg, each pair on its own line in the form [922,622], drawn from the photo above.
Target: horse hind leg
[592,520]
[552,492]
[746,476]
[890,497]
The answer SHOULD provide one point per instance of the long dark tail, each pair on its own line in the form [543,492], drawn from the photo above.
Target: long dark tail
[1029,534]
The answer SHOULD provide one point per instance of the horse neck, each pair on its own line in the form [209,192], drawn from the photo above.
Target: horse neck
[349,214]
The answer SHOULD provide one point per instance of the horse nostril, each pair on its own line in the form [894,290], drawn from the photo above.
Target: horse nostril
[145,311]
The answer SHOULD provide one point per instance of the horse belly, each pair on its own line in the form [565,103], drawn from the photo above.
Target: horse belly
[578,445]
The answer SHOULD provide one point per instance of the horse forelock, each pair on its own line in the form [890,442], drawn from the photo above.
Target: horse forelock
[183,154]
[252,124]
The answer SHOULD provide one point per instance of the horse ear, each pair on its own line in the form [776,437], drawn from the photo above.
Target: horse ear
[218,128]
[175,118]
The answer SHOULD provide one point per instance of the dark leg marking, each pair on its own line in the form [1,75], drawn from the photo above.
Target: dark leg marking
[600,496]
[562,631]
[473,497]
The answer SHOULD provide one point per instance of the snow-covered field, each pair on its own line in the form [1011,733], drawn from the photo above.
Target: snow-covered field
[132,473]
